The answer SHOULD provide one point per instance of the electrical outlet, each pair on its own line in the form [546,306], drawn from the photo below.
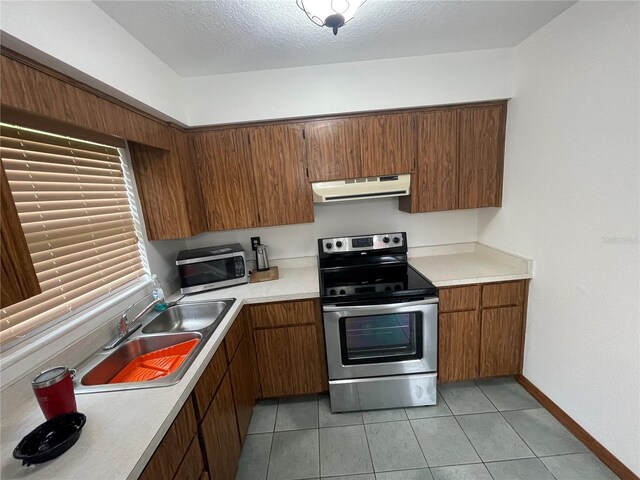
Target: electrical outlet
[255,241]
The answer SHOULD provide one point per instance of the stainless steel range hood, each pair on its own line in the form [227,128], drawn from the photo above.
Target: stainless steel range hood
[361,188]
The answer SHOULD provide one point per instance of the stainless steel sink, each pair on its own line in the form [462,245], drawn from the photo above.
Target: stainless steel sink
[187,317]
[175,325]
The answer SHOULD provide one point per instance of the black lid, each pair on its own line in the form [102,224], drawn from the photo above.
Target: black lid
[50,439]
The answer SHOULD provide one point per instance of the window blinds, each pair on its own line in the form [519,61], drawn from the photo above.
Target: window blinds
[73,205]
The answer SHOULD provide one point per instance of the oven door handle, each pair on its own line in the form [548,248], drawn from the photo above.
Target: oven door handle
[361,308]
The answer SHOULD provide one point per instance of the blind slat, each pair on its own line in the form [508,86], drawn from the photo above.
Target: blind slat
[40,147]
[35,186]
[53,205]
[50,217]
[76,278]
[53,177]
[7,131]
[62,196]
[48,164]
[58,226]
[74,263]
[43,311]
[73,204]
[67,245]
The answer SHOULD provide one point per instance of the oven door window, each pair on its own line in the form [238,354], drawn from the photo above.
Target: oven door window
[381,338]
[213,271]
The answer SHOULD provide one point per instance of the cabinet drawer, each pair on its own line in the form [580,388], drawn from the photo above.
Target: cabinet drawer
[209,381]
[192,465]
[503,294]
[169,454]
[234,336]
[459,298]
[284,314]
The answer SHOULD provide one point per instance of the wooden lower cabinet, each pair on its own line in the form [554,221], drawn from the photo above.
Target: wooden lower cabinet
[481,330]
[459,346]
[243,379]
[501,341]
[164,463]
[192,466]
[290,361]
[220,435]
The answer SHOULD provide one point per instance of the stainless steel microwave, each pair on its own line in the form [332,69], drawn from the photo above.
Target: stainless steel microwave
[211,267]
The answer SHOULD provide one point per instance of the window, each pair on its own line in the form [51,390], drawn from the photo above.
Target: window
[75,204]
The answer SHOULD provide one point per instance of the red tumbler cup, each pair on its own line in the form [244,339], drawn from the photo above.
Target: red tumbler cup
[54,390]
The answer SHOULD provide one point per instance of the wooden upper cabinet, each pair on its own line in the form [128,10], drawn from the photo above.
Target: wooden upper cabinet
[481,155]
[333,149]
[226,178]
[435,182]
[162,195]
[387,144]
[283,193]
[185,160]
[19,280]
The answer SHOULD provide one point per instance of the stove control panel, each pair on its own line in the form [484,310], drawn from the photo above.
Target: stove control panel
[359,289]
[362,243]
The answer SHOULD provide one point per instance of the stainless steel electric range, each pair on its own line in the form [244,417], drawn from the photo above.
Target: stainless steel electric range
[380,321]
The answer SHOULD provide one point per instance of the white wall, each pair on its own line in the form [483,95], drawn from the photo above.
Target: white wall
[349,87]
[352,218]
[79,39]
[571,202]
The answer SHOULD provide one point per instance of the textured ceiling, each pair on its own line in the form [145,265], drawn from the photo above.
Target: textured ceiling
[224,36]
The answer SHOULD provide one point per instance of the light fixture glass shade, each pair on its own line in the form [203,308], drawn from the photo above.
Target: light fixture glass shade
[330,13]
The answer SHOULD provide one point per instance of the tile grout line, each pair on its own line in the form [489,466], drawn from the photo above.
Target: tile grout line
[273,435]
[366,437]
[419,445]
[512,428]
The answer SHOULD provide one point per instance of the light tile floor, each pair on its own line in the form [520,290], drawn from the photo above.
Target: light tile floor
[485,430]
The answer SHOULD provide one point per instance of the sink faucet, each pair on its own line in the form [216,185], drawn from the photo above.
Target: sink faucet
[126,327]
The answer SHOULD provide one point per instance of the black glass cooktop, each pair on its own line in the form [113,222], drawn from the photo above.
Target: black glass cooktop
[372,283]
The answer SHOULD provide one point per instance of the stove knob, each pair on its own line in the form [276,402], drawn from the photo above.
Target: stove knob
[397,287]
[342,292]
[396,240]
[332,291]
[385,239]
[387,289]
[338,244]
[328,245]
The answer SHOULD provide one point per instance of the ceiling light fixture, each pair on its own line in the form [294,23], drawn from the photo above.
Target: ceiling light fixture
[330,13]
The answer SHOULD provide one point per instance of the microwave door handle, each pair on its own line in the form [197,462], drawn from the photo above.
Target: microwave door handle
[364,308]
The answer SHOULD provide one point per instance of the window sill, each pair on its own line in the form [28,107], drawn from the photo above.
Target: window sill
[19,360]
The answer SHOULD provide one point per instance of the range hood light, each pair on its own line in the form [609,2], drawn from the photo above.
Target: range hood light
[330,13]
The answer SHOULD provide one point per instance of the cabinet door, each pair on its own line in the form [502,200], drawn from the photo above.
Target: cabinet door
[226,179]
[192,465]
[169,455]
[387,144]
[220,433]
[481,156]
[501,341]
[437,171]
[243,382]
[333,149]
[284,195]
[458,346]
[290,361]
[162,197]
[19,280]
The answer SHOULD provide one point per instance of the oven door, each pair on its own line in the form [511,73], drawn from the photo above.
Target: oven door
[376,340]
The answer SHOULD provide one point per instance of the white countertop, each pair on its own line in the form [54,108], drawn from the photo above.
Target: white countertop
[124,428]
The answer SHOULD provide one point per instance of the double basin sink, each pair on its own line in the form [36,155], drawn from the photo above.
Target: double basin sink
[160,330]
